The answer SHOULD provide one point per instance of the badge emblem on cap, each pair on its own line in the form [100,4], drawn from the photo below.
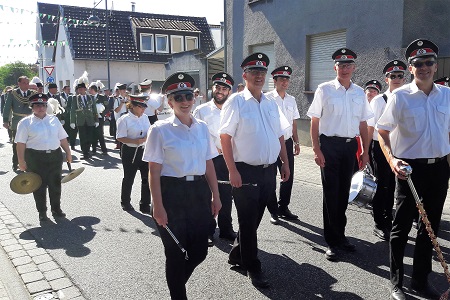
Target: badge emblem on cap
[343,50]
[396,68]
[259,55]
[344,57]
[40,100]
[419,43]
[374,81]
[421,51]
[181,76]
[286,68]
[285,73]
[181,84]
[224,75]
[223,80]
[395,62]
[259,63]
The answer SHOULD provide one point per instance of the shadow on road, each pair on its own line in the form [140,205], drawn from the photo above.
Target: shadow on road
[70,235]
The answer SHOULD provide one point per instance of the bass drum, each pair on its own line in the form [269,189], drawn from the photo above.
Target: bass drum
[363,188]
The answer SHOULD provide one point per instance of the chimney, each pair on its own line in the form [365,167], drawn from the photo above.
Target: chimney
[133,6]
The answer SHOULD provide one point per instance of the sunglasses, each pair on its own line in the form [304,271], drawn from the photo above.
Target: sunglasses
[399,76]
[183,97]
[418,64]
[141,106]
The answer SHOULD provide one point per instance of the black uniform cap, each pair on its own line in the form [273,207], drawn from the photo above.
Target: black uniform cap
[255,61]
[344,55]
[394,66]
[180,83]
[223,78]
[421,48]
[52,86]
[38,98]
[374,84]
[283,71]
[443,81]
[139,99]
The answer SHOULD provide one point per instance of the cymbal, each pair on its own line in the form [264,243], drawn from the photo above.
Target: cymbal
[25,183]
[73,174]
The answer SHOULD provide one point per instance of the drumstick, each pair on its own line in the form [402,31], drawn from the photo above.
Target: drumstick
[69,166]
[134,156]
[186,257]
[228,182]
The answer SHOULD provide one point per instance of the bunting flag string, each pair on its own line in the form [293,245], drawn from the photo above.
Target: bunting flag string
[13,43]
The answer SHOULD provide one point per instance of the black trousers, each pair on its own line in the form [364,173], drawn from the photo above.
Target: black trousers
[72,133]
[99,136]
[383,201]
[130,169]
[188,208]
[153,119]
[250,202]
[112,126]
[431,183]
[49,167]
[15,160]
[336,176]
[224,219]
[86,134]
[285,187]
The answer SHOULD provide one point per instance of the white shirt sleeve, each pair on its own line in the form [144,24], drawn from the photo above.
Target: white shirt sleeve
[229,117]
[121,128]
[155,152]
[387,120]
[22,132]
[315,110]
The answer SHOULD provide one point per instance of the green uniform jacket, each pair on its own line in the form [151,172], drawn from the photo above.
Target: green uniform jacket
[17,106]
[81,114]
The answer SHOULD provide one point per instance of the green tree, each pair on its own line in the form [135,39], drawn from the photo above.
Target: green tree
[10,72]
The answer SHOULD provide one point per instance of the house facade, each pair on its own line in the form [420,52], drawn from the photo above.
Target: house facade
[303,34]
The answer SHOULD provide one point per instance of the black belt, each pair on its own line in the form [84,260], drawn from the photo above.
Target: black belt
[42,151]
[256,166]
[190,178]
[427,161]
[338,138]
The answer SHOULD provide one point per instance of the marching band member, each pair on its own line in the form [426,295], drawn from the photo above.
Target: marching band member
[119,105]
[154,103]
[101,102]
[132,133]
[182,177]
[39,138]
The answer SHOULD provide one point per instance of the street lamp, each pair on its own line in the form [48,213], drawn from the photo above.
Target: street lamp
[93,19]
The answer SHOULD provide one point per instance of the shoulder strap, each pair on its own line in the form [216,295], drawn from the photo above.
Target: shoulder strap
[385,98]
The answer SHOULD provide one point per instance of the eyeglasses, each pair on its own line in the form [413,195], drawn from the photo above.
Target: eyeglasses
[345,66]
[139,105]
[399,76]
[419,64]
[183,97]
[256,72]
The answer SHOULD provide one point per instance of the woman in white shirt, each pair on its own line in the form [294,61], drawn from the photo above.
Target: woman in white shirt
[39,138]
[132,133]
[182,180]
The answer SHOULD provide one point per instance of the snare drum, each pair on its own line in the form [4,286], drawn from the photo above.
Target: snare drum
[363,188]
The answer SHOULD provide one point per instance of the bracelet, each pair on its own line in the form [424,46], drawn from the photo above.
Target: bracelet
[297,143]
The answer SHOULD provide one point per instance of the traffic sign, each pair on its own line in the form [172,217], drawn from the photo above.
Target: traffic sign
[50,79]
[49,70]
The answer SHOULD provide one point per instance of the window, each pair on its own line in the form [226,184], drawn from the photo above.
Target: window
[162,45]
[176,43]
[191,43]
[147,42]
[320,49]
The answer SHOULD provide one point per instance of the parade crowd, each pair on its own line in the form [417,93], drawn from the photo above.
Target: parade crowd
[200,160]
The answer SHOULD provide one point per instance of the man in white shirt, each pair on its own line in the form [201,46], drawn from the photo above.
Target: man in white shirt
[154,103]
[251,134]
[414,130]
[210,113]
[383,201]
[338,114]
[288,106]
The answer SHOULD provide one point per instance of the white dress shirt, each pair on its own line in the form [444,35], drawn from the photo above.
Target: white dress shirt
[133,127]
[153,103]
[255,128]
[40,134]
[340,111]
[288,107]
[181,150]
[378,104]
[419,125]
[210,113]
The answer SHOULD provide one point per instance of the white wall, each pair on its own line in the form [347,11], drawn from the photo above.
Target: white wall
[64,66]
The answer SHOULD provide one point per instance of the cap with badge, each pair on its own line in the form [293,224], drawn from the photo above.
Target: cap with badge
[421,48]
[178,83]
[394,66]
[374,84]
[283,71]
[443,81]
[138,100]
[146,83]
[52,86]
[223,78]
[37,81]
[344,55]
[121,86]
[38,99]
[255,61]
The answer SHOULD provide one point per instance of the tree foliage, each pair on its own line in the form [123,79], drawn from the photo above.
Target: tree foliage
[10,72]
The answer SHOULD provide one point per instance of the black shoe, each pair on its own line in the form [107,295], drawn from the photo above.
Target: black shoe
[383,234]
[210,240]
[86,156]
[43,216]
[58,213]
[397,293]
[228,235]
[127,207]
[347,246]
[331,254]
[145,209]
[424,289]
[287,214]
[274,219]
[234,262]
[258,279]
[105,152]
[14,167]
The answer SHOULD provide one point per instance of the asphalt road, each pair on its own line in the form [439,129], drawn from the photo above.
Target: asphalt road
[112,254]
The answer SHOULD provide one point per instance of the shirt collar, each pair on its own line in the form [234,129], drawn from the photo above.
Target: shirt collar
[248,95]
[337,84]
[213,104]
[415,89]
[176,122]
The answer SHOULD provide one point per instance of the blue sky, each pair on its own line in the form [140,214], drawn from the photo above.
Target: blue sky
[18,20]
